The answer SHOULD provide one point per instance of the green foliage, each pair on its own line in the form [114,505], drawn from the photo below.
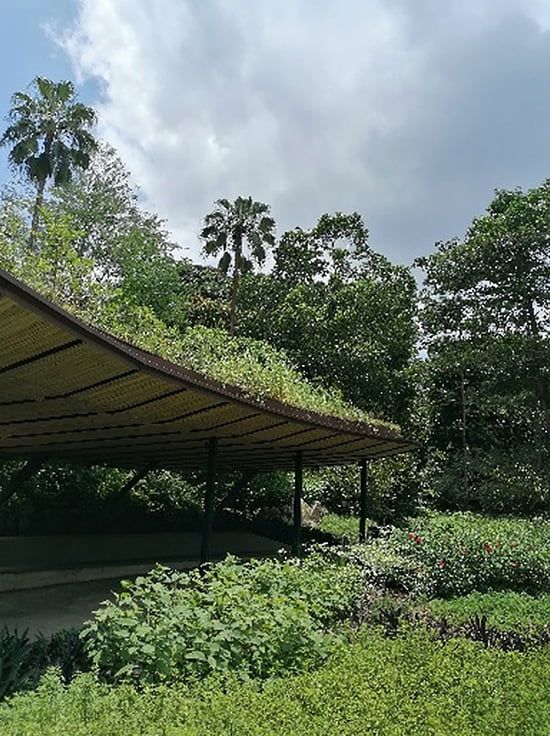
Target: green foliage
[54,268]
[49,131]
[375,685]
[227,229]
[503,610]
[256,367]
[486,322]
[59,271]
[15,655]
[49,135]
[463,553]
[23,660]
[205,293]
[341,527]
[256,619]
[69,499]
[393,488]
[340,311]
[497,482]
[129,247]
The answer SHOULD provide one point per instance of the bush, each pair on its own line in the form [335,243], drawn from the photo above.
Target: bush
[412,683]
[503,610]
[342,528]
[463,553]
[256,619]
[68,499]
[497,482]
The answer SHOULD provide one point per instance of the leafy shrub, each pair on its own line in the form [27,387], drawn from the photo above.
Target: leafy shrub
[257,619]
[463,553]
[382,568]
[412,683]
[498,482]
[15,657]
[343,528]
[393,488]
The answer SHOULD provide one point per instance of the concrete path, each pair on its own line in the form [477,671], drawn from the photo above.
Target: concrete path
[55,607]
[39,595]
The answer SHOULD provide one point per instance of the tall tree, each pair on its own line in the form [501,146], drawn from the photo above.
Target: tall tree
[343,313]
[49,133]
[486,321]
[129,246]
[227,229]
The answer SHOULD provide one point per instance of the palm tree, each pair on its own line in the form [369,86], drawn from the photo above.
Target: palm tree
[49,135]
[227,229]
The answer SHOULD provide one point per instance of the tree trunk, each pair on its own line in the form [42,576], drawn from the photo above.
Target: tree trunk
[465,452]
[38,202]
[237,244]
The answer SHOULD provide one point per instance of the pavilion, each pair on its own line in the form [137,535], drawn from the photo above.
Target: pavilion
[69,391]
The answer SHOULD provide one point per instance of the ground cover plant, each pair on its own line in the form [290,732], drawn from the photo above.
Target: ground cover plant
[348,639]
[342,528]
[373,685]
[507,620]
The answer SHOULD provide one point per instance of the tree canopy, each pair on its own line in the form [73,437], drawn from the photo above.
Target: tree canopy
[227,229]
[49,135]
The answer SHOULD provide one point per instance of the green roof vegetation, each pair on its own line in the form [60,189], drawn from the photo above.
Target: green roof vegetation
[254,366]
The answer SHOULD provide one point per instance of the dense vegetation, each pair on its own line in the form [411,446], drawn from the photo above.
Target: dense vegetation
[377,685]
[440,622]
[352,633]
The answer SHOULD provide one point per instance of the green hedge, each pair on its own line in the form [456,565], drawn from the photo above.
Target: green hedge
[388,687]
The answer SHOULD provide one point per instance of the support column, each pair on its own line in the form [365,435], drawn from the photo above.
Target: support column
[297,510]
[209,499]
[363,502]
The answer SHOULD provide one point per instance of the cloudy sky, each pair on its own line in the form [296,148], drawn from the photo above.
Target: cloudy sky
[409,111]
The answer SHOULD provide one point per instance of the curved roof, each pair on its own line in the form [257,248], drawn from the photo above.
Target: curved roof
[70,391]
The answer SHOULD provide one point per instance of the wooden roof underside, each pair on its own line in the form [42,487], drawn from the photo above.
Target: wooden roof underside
[71,392]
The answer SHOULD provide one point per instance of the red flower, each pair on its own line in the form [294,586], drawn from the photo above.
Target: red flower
[488,547]
[418,539]
[410,535]
[442,563]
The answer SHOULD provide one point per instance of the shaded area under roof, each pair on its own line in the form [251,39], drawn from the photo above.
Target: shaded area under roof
[69,391]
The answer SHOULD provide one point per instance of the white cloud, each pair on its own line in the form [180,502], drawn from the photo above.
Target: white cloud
[403,111]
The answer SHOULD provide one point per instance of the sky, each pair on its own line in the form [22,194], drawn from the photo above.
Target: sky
[410,112]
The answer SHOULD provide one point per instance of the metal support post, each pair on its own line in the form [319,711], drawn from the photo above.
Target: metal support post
[297,510]
[363,502]
[209,499]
